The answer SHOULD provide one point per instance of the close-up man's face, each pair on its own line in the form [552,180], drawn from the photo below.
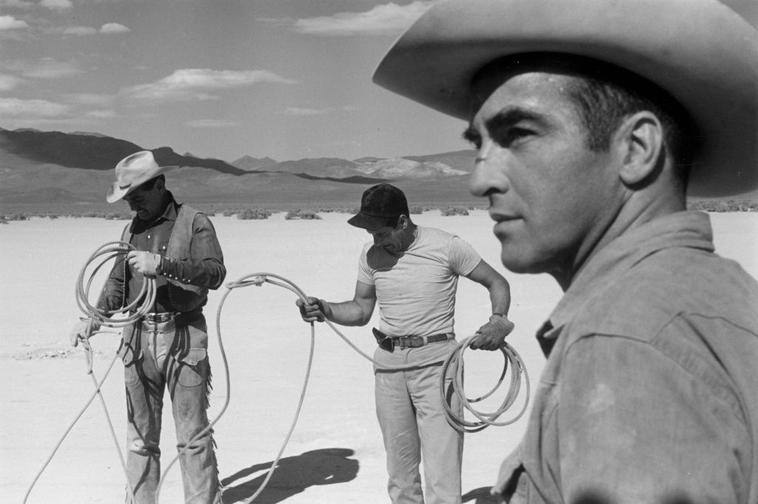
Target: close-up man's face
[547,191]
[146,200]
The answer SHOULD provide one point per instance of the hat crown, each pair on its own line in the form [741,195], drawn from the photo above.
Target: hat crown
[383,200]
[131,172]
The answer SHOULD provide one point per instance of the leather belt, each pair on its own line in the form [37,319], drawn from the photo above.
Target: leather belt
[159,317]
[390,342]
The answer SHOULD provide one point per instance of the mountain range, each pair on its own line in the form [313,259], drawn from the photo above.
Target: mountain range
[39,169]
[51,171]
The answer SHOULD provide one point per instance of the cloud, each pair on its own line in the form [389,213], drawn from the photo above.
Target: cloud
[212,123]
[56,4]
[101,114]
[8,82]
[46,68]
[11,23]
[19,4]
[114,28]
[194,83]
[79,30]
[90,99]
[31,109]
[386,19]
[304,111]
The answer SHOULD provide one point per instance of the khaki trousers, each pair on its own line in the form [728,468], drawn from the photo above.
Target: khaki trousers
[414,427]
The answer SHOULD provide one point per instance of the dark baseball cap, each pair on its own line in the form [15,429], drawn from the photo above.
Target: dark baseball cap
[381,205]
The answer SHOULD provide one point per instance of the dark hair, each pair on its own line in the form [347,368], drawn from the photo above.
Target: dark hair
[604,94]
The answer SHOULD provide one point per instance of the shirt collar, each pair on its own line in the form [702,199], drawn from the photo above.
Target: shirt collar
[680,229]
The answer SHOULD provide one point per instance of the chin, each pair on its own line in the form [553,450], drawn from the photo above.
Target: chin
[520,261]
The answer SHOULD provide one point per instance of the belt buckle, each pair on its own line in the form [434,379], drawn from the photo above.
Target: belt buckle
[157,318]
[385,342]
[415,341]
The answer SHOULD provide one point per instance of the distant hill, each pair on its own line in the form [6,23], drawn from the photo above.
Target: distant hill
[73,150]
[249,163]
[92,151]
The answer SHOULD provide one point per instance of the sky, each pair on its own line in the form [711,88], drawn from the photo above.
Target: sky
[287,79]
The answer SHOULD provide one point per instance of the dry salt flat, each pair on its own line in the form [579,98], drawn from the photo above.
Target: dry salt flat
[335,454]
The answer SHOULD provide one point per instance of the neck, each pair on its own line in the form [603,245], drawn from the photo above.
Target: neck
[638,208]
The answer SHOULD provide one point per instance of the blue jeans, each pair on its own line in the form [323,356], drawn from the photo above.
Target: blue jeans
[173,355]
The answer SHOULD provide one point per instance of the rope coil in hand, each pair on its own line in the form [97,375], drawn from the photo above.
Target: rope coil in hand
[512,361]
[134,311]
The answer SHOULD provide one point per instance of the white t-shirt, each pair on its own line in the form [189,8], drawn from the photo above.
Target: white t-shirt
[416,294]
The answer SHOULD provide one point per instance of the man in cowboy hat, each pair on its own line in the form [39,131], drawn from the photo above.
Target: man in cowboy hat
[412,272]
[591,119]
[177,246]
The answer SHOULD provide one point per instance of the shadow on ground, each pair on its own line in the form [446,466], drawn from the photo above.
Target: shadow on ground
[292,475]
[481,496]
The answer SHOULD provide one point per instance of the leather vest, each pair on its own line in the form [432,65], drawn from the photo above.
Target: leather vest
[183,297]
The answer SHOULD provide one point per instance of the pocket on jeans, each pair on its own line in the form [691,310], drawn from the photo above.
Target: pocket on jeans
[130,358]
[194,367]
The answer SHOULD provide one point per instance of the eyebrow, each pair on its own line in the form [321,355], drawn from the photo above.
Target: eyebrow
[504,119]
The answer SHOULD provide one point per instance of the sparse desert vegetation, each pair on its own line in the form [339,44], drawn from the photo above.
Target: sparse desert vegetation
[446,212]
[723,205]
[302,214]
[254,214]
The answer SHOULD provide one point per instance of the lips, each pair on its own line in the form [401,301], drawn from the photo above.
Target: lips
[501,216]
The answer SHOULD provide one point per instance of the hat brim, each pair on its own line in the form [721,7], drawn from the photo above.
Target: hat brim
[117,192]
[699,51]
[364,221]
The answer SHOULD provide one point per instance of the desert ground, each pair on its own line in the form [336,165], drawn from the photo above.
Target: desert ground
[335,454]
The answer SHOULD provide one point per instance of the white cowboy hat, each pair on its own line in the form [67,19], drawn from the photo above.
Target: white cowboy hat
[131,172]
[699,51]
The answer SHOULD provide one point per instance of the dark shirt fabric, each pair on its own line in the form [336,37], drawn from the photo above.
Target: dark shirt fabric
[649,390]
[205,267]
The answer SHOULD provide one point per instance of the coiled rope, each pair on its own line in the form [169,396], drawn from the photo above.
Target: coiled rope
[131,313]
[511,361]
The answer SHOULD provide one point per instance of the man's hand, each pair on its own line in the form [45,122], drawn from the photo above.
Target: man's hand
[313,309]
[83,330]
[492,334]
[144,262]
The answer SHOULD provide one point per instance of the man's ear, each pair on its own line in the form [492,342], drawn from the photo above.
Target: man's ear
[641,142]
[402,221]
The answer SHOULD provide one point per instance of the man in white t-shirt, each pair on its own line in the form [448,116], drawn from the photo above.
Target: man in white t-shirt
[413,273]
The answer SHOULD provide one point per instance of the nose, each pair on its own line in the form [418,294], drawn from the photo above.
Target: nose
[489,174]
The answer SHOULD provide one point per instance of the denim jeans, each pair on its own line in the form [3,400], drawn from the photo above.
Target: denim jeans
[173,355]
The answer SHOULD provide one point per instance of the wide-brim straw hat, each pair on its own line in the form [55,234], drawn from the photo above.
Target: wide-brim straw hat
[131,172]
[699,51]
